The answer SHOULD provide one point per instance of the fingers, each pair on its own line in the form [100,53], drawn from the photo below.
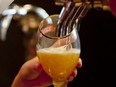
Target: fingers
[73,75]
[44,80]
[79,65]
[31,69]
[35,75]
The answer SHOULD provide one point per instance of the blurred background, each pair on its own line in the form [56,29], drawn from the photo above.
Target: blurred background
[18,26]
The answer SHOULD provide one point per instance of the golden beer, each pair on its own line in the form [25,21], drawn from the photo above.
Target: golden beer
[58,62]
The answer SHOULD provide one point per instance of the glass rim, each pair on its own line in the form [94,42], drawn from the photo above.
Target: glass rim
[51,37]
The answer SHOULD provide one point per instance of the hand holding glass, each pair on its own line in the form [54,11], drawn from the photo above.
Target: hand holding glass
[58,55]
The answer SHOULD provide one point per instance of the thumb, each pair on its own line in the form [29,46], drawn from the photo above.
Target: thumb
[31,69]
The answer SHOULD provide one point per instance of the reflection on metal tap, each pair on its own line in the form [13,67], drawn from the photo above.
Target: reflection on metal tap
[74,10]
[63,2]
[70,15]
[93,3]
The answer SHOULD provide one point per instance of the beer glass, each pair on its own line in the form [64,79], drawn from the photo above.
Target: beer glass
[58,55]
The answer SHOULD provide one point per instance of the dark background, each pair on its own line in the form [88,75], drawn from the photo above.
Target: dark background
[48,5]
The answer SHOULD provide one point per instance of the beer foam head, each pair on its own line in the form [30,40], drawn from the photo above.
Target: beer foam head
[59,50]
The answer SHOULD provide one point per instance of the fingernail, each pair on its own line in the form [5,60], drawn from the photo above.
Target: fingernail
[79,65]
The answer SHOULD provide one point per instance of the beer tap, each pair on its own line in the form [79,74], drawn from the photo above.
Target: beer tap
[71,13]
